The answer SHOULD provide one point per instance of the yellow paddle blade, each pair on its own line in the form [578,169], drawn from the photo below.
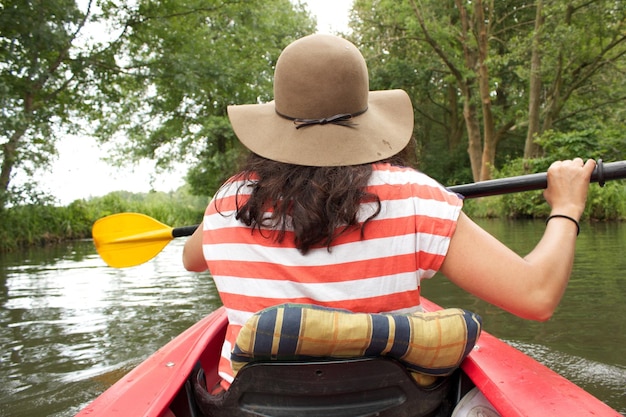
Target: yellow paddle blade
[129,239]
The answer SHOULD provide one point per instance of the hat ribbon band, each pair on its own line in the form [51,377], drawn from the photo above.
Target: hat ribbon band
[338,119]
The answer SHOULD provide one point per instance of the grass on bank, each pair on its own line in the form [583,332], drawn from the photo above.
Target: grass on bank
[40,224]
[606,203]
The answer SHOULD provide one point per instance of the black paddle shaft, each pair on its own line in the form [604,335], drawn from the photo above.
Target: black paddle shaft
[184,230]
[602,173]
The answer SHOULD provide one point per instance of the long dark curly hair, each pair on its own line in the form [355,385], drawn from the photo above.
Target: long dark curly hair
[317,203]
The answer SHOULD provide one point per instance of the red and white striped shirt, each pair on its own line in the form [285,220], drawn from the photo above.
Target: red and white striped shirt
[381,272]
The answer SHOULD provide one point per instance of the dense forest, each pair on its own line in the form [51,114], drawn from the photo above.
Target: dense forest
[499,88]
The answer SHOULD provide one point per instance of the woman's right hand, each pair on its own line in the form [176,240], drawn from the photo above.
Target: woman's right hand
[568,183]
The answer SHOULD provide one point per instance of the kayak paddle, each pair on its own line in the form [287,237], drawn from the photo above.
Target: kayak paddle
[529,182]
[129,239]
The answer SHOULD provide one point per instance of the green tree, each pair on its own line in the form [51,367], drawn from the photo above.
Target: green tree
[158,74]
[46,80]
[578,62]
[497,74]
[186,62]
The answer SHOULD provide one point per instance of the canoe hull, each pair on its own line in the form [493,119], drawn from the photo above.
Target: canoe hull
[515,384]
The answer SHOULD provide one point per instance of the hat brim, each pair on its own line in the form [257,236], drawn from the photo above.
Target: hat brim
[379,133]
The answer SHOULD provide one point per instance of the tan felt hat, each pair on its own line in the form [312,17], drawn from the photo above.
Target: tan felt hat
[323,113]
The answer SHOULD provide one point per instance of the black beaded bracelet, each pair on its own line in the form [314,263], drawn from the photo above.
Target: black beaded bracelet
[563,216]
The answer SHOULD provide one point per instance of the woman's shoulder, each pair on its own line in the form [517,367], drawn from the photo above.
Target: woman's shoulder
[394,174]
[411,181]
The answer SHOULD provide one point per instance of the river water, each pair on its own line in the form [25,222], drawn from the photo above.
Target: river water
[70,326]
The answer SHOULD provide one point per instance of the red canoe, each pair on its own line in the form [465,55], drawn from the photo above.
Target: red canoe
[511,384]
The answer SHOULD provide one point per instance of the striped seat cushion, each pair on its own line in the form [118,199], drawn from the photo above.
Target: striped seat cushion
[431,343]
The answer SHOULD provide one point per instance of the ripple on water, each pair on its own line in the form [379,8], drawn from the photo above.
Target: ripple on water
[602,380]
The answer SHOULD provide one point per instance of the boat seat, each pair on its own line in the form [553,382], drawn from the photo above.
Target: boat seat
[329,388]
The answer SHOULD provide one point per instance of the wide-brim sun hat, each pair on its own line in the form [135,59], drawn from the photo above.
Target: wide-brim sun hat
[323,113]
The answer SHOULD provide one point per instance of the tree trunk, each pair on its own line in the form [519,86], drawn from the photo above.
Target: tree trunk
[455,123]
[469,108]
[531,149]
[10,151]
[489,131]
[9,156]
[474,148]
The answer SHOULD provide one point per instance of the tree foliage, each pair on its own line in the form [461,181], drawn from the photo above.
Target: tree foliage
[491,81]
[153,77]
[186,62]
[492,75]
[45,80]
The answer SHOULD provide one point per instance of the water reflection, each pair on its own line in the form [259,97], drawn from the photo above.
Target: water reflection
[70,326]
[608,381]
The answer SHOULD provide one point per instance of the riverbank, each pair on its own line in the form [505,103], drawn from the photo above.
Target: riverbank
[41,224]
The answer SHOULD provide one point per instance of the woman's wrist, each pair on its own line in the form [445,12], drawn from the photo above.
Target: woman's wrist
[575,211]
[566,218]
